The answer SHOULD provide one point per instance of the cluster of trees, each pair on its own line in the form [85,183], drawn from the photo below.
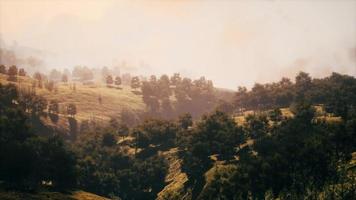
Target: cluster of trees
[295,158]
[107,167]
[82,73]
[194,96]
[26,159]
[336,93]
[12,72]
[41,80]
[269,156]
[110,81]
[36,106]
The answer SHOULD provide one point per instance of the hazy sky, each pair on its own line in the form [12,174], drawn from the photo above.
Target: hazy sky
[231,42]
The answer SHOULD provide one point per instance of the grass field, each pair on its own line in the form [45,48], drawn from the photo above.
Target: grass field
[86,98]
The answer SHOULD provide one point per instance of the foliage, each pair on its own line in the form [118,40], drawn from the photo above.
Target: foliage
[71,110]
[195,97]
[26,159]
[336,92]
[105,169]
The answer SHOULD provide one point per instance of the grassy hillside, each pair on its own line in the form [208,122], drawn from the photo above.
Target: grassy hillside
[286,112]
[78,195]
[175,178]
[86,98]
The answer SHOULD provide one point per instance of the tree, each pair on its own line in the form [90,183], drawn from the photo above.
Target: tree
[58,165]
[123,130]
[72,110]
[153,104]
[185,121]
[109,140]
[135,82]
[156,132]
[109,80]
[216,134]
[175,79]
[53,107]
[117,80]
[225,107]
[38,105]
[275,115]
[53,110]
[21,150]
[12,72]
[22,72]
[303,84]
[167,110]
[2,69]
[164,90]
[257,125]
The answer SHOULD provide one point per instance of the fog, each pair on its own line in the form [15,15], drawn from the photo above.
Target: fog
[230,42]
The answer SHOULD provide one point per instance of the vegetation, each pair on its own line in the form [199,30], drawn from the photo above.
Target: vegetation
[336,93]
[169,152]
[26,160]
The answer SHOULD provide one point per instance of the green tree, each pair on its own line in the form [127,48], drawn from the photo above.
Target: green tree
[109,139]
[185,121]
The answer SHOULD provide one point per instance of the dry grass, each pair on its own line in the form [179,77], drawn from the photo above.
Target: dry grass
[81,195]
[175,178]
[77,195]
[86,98]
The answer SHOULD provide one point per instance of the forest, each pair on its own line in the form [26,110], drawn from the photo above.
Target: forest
[190,142]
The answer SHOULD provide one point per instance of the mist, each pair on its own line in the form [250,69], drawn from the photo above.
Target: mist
[230,42]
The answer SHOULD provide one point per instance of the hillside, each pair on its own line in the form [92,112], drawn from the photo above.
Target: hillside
[95,101]
[86,98]
[77,195]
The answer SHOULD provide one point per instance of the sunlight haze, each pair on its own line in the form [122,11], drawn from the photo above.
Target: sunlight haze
[230,42]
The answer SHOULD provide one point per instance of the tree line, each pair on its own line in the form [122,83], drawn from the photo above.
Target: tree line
[269,156]
[336,92]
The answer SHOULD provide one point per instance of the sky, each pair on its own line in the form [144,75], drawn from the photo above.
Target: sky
[231,42]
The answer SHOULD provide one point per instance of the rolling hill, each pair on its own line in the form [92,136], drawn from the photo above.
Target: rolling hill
[86,99]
